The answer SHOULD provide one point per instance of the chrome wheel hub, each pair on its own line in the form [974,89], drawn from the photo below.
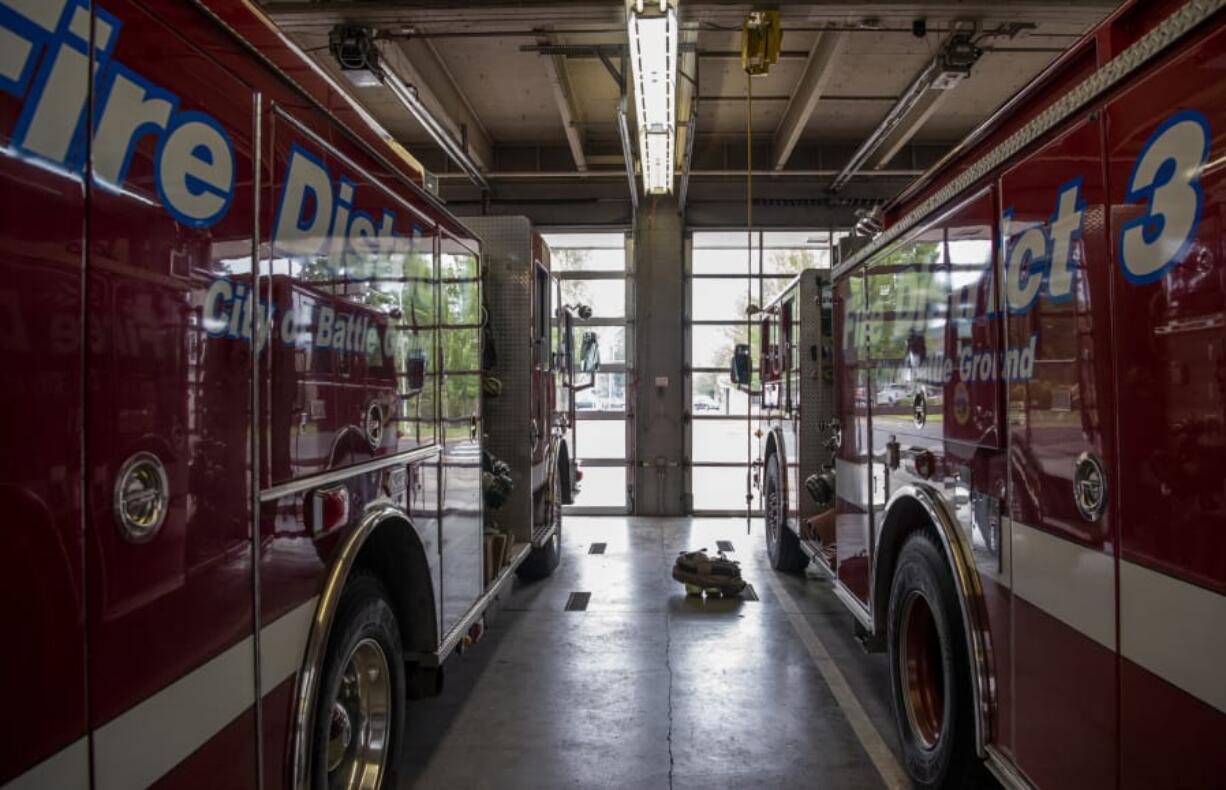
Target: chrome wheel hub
[360,731]
[773,515]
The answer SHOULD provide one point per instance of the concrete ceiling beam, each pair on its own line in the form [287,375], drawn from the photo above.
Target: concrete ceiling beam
[564,97]
[825,52]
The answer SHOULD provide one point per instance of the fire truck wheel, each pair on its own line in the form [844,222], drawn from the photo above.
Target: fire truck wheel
[930,670]
[782,544]
[359,718]
[545,558]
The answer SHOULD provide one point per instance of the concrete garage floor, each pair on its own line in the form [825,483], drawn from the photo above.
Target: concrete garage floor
[649,688]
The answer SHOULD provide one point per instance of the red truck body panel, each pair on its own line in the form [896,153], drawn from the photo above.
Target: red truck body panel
[136,207]
[1055,327]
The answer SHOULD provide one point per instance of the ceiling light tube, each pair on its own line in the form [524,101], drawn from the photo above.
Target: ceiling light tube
[653,63]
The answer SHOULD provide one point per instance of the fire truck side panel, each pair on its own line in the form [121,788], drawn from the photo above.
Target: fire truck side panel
[790,401]
[161,380]
[932,332]
[400,282]
[42,576]
[1060,407]
[543,390]
[1170,360]
[854,482]
[460,427]
[1096,575]
[798,399]
[351,377]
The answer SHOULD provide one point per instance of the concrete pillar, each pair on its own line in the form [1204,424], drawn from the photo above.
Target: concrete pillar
[659,310]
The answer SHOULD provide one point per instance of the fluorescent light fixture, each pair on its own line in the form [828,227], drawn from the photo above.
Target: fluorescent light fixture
[653,62]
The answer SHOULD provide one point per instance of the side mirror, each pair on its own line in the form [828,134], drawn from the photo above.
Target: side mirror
[589,353]
[740,364]
[415,370]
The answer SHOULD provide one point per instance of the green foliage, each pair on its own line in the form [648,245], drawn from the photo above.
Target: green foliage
[792,261]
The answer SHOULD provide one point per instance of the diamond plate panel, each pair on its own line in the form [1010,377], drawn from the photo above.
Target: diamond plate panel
[507,251]
[816,392]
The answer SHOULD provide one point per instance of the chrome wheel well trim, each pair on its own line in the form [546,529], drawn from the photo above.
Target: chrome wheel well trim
[966,583]
[552,454]
[774,444]
[321,624]
[551,473]
[1005,770]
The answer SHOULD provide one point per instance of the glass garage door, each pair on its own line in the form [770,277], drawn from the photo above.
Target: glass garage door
[592,270]
[725,277]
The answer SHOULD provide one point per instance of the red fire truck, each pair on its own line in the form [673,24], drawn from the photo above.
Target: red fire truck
[532,418]
[1029,375]
[795,363]
[241,480]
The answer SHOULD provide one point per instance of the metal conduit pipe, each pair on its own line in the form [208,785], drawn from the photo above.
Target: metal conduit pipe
[407,96]
[623,130]
[525,175]
[897,113]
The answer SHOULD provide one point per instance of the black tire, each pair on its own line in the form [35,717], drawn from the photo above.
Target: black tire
[782,544]
[545,559]
[930,670]
[364,616]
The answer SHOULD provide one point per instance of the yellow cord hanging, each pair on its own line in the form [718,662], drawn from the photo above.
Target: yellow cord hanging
[761,39]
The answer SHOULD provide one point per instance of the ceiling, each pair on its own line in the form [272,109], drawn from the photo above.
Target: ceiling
[526,115]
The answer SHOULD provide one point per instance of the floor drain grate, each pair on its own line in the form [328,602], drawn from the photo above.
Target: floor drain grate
[749,593]
[597,548]
[724,545]
[577,602]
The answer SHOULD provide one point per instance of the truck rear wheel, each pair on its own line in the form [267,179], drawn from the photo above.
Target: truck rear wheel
[359,715]
[545,558]
[782,544]
[930,669]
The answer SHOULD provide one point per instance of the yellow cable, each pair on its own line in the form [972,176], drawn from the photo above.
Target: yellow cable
[749,293]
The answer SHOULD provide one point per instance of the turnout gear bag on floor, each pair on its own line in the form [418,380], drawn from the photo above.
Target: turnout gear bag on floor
[696,569]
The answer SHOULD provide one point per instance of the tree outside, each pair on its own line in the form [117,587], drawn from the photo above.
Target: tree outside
[716,352]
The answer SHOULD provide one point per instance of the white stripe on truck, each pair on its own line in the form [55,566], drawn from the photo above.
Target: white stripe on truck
[1072,583]
[152,737]
[1175,630]
[146,741]
[1172,628]
[68,768]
